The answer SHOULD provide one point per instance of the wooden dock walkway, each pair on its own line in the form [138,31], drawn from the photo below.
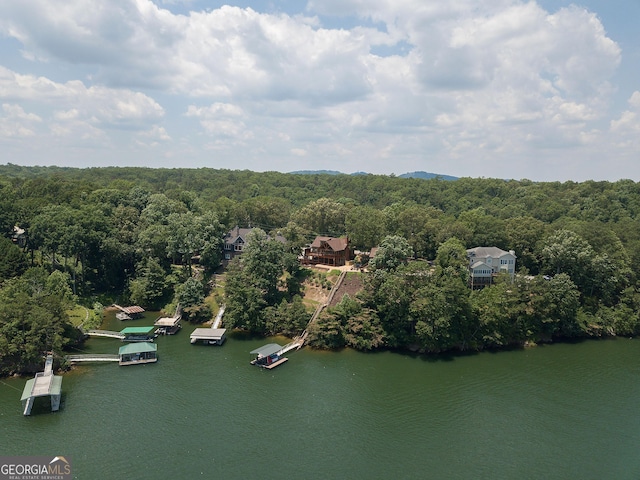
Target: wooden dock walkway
[95,357]
[104,333]
[218,320]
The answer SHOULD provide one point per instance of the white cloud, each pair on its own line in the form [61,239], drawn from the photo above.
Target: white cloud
[475,84]
[629,121]
[15,122]
[299,152]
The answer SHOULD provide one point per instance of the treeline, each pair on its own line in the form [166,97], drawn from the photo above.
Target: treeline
[135,233]
[430,307]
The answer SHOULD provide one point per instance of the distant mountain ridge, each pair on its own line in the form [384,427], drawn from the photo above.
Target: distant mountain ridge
[317,172]
[427,175]
[423,175]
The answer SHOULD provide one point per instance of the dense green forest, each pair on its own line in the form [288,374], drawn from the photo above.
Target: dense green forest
[153,237]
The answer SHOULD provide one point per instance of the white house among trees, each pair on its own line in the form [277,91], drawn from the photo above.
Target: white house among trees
[487,262]
[236,240]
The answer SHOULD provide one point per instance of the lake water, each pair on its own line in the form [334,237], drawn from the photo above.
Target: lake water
[553,412]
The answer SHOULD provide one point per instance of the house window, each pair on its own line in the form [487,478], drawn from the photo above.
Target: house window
[238,248]
[227,256]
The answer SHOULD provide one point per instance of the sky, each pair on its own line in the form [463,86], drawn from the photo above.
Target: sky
[546,90]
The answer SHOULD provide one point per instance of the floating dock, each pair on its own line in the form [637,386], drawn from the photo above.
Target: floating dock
[44,384]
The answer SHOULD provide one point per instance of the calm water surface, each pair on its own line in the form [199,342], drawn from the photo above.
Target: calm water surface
[552,412]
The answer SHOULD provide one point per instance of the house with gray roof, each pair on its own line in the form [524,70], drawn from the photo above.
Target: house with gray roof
[236,240]
[485,263]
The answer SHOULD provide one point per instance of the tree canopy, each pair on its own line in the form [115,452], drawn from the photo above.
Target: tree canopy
[154,237]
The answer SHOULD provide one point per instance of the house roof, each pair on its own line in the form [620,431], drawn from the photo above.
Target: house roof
[140,347]
[484,252]
[336,244]
[266,350]
[238,233]
[479,263]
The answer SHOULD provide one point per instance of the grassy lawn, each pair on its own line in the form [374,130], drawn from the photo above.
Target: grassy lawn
[216,297]
[77,315]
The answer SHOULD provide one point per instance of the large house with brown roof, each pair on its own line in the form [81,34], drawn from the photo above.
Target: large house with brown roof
[328,251]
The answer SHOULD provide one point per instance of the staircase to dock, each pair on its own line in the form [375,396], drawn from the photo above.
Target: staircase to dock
[298,341]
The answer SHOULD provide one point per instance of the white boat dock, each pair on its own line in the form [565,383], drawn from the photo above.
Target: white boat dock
[210,336]
[44,384]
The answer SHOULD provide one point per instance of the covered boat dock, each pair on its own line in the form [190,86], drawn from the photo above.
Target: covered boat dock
[129,313]
[210,336]
[44,384]
[137,334]
[135,353]
[268,356]
[168,325]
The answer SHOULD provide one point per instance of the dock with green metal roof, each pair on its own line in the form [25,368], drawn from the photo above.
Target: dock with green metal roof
[137,334]
[137,353]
